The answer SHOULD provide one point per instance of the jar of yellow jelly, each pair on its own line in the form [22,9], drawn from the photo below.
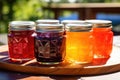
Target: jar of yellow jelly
[79,48]
[103,39]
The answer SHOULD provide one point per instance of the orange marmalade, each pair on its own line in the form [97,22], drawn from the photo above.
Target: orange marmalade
[79,43]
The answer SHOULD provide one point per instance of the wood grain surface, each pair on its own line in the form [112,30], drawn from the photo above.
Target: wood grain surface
[108,66]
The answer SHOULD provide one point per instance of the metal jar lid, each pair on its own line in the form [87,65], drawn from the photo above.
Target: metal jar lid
[100,23]
[72,22]
[21,25]
[49,27]
[79,27]
[47,21]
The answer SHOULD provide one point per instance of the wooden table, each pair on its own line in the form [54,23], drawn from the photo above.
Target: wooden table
[85,10]
[11,75]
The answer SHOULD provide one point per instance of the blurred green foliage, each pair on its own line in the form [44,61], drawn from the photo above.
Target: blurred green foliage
[27,10]
[19,10]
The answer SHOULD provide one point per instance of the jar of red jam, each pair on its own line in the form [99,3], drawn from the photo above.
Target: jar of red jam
[21,40]
[50,44]
[103,39]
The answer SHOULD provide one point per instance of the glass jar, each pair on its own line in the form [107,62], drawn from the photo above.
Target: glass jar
[50,44]
[47,21]
[103,39]
[79,48]
[21,40]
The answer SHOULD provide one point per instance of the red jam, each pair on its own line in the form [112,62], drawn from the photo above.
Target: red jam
[103,39]
[21,45]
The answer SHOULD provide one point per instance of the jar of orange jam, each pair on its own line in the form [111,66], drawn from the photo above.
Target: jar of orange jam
[103,38]
[79,48]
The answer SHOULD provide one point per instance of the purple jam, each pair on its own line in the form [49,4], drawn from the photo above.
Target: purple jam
[50,47]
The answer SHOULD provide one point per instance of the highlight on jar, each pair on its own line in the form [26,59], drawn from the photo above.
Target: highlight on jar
[21,40]
[79,47]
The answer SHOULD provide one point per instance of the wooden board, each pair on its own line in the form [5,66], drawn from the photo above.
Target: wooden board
[108,66]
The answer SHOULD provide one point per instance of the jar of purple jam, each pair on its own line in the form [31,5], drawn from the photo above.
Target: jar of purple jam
[50,44]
